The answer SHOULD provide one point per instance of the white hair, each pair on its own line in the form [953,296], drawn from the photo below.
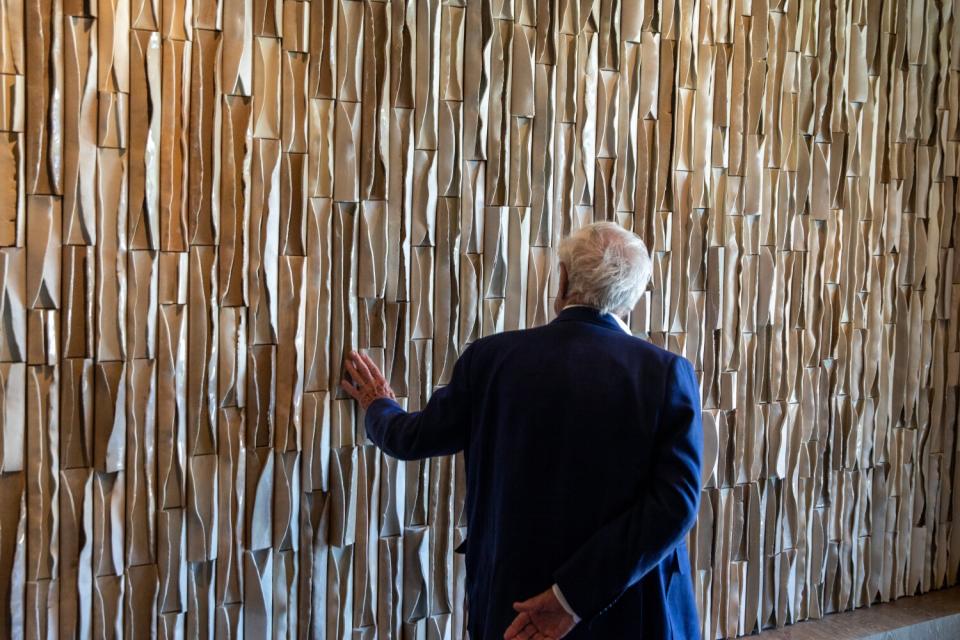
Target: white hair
[607,266]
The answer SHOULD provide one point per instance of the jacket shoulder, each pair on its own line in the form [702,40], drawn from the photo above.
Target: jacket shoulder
[498,340]
[618,340]
[642,348]
[652,351]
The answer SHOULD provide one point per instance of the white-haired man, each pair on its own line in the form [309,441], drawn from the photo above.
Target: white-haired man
[582,448]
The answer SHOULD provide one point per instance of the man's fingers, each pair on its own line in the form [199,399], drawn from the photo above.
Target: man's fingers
[373,368]
[361,365]
[527,632]
[350,389]
[352,363]
[515,627]
[526,605]
[359,377]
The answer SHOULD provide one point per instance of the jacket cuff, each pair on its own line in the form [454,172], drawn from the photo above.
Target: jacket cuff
[389,401]
[373,415]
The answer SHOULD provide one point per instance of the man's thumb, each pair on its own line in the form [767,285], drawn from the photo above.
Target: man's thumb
[522,606]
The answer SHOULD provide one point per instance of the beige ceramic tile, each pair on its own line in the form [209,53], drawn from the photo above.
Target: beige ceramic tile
[205,204]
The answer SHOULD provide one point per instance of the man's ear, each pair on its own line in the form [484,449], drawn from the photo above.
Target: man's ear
[561,301]
[564,282]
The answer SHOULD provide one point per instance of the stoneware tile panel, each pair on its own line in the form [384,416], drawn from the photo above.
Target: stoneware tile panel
[204,204]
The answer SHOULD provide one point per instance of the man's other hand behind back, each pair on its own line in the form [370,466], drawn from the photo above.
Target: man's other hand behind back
[542,617]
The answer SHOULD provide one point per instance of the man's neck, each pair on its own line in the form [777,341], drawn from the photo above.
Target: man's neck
[623,325]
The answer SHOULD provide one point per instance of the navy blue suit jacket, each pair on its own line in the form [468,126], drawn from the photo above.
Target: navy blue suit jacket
[582,448]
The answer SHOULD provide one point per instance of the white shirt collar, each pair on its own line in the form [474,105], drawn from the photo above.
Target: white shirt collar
[620,322]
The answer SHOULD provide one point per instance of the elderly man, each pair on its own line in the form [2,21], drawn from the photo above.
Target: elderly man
[582,446]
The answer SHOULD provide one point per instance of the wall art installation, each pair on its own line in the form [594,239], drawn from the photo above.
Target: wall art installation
[205,203]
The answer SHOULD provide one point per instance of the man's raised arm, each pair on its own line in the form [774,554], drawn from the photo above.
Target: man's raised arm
[441,428]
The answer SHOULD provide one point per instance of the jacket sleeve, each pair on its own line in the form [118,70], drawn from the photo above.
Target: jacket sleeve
[625,549]
[441,428]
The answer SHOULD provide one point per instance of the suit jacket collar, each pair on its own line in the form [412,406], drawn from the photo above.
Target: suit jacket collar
[581,313]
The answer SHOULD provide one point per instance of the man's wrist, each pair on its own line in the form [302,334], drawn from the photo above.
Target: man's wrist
[563,603]
[371,396]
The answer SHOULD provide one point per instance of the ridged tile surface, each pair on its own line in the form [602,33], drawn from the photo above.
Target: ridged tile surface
[204,204]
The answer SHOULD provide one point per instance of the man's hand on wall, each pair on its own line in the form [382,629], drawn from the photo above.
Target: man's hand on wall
[366,383]
[542,617]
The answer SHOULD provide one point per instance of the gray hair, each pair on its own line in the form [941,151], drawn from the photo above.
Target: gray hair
[608,267]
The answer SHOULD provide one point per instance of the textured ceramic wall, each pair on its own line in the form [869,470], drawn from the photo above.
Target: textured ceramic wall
[206,202]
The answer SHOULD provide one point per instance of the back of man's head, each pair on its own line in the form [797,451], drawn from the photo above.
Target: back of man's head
[607,267]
